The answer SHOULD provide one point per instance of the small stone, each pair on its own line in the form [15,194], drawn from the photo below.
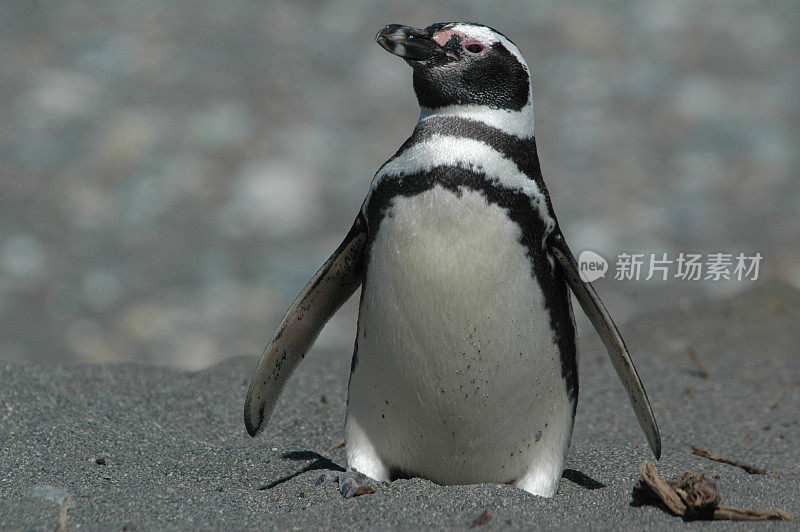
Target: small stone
[482,519]
[364,490]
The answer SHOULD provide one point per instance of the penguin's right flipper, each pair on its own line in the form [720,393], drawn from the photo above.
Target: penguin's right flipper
[615,345]
[332,285]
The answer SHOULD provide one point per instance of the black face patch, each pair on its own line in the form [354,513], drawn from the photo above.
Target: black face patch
[495,79]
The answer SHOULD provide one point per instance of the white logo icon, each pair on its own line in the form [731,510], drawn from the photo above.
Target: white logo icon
[591,266]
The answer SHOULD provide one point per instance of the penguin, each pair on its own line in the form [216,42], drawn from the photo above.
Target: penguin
[464,369]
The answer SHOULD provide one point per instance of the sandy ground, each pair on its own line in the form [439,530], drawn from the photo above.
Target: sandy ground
[176,454]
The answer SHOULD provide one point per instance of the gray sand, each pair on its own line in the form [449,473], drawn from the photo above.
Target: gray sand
[177,456]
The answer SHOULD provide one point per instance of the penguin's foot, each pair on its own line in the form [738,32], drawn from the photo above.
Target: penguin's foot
[351,482]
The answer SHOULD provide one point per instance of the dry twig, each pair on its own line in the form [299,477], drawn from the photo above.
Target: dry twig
[753,470]
[61,526]
[774,404]
[699,363]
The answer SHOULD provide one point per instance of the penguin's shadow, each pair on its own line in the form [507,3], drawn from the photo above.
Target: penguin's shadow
[582,479]
[318,462]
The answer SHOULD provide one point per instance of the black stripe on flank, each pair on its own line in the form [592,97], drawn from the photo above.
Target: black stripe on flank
[520,211]
[354,360]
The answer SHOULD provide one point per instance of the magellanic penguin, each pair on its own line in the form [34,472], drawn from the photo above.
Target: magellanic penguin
[464,369]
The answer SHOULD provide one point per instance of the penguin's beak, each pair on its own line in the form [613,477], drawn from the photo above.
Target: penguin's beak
[408,43]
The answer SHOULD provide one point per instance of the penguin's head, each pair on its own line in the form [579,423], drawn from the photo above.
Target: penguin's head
[461,64]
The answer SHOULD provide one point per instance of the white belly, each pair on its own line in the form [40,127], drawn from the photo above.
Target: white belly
[458,377]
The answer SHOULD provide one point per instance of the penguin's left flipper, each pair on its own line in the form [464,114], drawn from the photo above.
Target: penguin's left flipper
[332,285]
[615,345]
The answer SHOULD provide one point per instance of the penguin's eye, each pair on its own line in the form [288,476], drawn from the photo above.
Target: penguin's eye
[474,48]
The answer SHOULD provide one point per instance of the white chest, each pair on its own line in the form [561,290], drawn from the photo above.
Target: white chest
[458,376]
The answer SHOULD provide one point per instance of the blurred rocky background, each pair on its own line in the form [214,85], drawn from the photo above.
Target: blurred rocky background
[172,173]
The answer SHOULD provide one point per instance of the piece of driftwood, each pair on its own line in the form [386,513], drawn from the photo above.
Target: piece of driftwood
[694,496]
[753,470]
